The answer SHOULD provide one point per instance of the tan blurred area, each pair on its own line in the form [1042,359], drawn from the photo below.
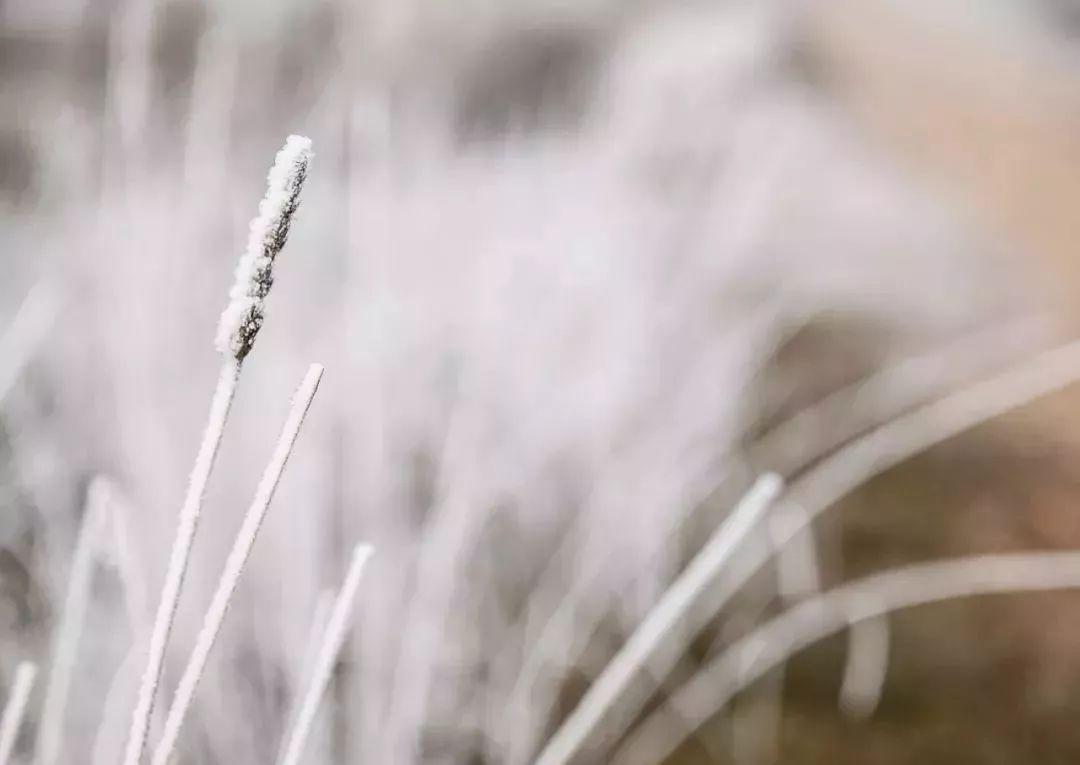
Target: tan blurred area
[986,109]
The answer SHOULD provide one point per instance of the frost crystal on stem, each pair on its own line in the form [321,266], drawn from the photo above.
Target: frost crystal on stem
[242,318]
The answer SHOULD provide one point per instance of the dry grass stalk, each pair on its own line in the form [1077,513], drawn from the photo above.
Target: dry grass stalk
[240,323]
[333,639]
[870,598]
[866,667]
[15,709]
[234,565]
[65,647]
[885,447]
[25,334]
[660,621]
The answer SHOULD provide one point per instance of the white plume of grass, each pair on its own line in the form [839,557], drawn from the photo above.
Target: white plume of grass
[663,618]
[234,565]
[66,644]
[243,317]
[239,324]
[333,638]
[15,709]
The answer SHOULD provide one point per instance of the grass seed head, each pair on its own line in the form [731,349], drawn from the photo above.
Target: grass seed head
[243,317]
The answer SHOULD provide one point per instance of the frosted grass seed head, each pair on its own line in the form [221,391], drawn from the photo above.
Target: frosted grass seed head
[239,325]
[243,317]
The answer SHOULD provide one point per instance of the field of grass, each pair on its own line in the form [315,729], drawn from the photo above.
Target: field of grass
[672,382]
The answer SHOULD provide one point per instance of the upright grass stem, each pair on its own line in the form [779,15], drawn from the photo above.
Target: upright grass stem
[663,618]
[15,709]
[240,323]
[65,648]
[178,560]
[333,639]
[234,565]
[25,334]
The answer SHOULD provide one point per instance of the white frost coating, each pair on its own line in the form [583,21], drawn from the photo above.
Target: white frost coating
[178,559]
[234,565]
[243,316]
[65,647]
[15,708]
[324,663]
[660,621]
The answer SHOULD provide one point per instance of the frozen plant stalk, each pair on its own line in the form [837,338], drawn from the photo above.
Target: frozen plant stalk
[239,325]
[241,550]
[15,709]
[66,644]
[333,638]
[243,316]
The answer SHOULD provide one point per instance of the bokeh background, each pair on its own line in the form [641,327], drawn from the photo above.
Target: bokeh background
[574,270]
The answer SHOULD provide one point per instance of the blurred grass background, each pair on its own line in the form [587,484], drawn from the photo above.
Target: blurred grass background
[625,239]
